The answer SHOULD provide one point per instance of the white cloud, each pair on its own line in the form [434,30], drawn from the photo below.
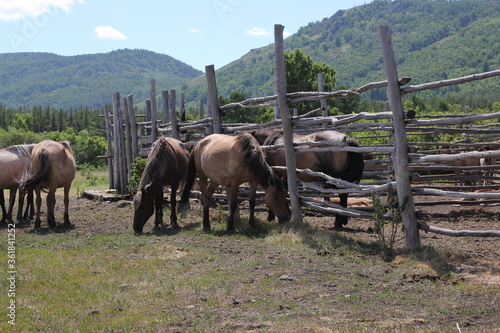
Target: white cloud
[286,34]
[195,31]
[12,10]
[257,32]
[108,32]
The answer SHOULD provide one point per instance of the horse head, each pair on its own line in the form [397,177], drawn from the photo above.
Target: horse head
[143,204]
[275,199]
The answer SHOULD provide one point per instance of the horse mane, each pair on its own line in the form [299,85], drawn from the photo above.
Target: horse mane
[271,139]
[21,149]
[256,162]
[156,163]
[352,142]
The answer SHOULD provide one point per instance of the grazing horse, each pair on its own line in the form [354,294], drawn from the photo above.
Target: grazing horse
[52,166]
[166,165]
[14,163]
[345,165]
[231,161]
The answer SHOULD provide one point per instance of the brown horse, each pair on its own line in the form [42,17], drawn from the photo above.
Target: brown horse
[345,165]
[14,163]
[52,166]
[231,161]
[485,161]
[166,165]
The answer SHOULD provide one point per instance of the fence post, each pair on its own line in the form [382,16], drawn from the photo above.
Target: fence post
[324,103]
[133,126]
[276,108]
[118,147]
[214,99]
[173,115]
[128,138]
[400,159]
[154,109]
[109,136]
[286,121]
[165,107]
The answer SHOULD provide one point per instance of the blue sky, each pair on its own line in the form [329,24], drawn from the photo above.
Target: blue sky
[197,32]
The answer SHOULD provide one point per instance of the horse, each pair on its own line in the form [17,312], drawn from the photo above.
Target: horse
[14,163]
[230,161]
[166,164]
[52,166]
[485,161]
[345,165]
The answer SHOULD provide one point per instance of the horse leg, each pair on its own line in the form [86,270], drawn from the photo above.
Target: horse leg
[12,201]
[232,200]
[38,204]
[66,206]
[173,206]
[158,209]
[206,195]
[22,195]
[251,201]
[2,203]
[29,212]
[341,220]
[51,203]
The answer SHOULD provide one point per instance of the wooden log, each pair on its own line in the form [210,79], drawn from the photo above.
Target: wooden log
[133,126]
[214,98]
[450,82]
[173,115]
[401,160]
[459,233]
[128,138]
[165,107]
[154,110]
[109,136]
[480,195]
[280,84]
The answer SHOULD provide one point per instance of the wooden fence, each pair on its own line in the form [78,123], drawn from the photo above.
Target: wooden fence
[413,167]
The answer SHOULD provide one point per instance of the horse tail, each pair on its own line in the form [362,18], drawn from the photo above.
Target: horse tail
[356,163]
[44,166]
[256,161]
[190,176]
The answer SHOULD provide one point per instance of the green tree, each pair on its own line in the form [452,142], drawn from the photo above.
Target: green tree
[302,75]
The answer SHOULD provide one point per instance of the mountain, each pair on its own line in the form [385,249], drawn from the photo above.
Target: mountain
[432,39]
[28,79]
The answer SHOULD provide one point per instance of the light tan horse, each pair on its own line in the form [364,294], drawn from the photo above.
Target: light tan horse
[14,163]
[231,161]
[52,167]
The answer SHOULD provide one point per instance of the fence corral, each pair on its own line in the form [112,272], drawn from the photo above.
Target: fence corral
[446,169]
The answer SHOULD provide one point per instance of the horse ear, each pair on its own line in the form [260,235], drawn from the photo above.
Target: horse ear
[271,181]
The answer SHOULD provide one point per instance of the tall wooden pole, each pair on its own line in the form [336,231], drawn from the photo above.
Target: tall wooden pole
[109,136]
[214,98]
[400,158]
[154,109]
[173,114]
[165,107]
[324,103]
[133,126]
[280,85]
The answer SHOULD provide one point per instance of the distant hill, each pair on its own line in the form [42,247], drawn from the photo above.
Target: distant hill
[433,40]
[28,79]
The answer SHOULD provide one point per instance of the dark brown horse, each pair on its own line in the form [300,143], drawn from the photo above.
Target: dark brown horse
[52,167]
[166,165]
[231,161]
[14,163]
[345,165]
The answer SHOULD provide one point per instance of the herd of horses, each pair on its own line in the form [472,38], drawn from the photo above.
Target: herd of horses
[216,160]
[45,166]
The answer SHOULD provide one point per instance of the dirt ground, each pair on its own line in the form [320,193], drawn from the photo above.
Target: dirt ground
[477,258]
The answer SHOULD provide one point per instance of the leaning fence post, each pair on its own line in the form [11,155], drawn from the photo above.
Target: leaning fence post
[133,127]
[287,124]
[400,159]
